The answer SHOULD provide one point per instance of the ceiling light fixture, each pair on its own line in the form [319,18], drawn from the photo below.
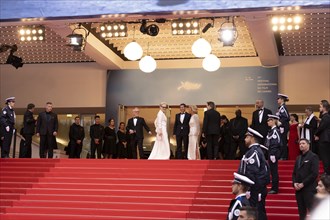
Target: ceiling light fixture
[185,27]
[147,64]
[12,59]
[201,48]
[211,63]
[283,23]
[228,32]
[133,51]
[113,30]
[32,33]
[151,30]
[78,38]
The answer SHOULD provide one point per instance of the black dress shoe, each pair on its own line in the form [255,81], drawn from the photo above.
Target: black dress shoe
[272,192]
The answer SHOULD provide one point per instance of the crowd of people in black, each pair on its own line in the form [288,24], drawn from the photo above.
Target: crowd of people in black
[270,138]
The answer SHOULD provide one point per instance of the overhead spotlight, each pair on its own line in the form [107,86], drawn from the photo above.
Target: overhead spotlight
[185,27]
[32,33]
[151,30]
[228,33]
[286,23]
[12,59]
[77,40]
[208,26]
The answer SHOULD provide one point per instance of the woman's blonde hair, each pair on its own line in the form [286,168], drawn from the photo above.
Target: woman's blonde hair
[194,108]
[163,104]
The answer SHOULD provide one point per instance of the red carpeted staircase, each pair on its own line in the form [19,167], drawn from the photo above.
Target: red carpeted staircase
[72,189]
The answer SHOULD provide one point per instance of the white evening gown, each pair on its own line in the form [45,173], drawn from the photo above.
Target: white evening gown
[193,146]
[161,149]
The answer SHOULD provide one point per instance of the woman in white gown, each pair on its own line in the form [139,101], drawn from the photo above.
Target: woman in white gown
[194,132]
[161,149]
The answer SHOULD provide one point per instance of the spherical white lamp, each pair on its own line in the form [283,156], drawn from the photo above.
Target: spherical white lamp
[211,63]
[147,64]
[133,51]
[201,48]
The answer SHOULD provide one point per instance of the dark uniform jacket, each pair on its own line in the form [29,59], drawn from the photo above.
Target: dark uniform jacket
[97,132]
[273,142]
[181,128]
[29,123]
[235,205]
[211,122]
[138,128]
[306,170]
[254,166]
[47,123]
[76,133]
[7,118]
[284,116]
[323,131]
[262,127]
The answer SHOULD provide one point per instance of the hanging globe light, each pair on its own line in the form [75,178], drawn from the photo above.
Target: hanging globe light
[133,51]
[201,48]
[147,64]
[211,63]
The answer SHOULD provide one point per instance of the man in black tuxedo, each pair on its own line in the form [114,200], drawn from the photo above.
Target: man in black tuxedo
[134,128]
[238,127]
[211,130]
[29,126]
[304,178]
[96,133]
[259,119]
[47,127]
[181,131]
[309,127]
[322,135]
[76,135]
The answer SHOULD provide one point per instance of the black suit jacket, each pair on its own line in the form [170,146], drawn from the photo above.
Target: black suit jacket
[211,122]
[262,127]
[239,126]
[138,128]
[306,171]
[46,125]
[323,131]
[29,123]
[181,128]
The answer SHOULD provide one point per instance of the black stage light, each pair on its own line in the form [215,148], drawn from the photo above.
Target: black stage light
[15,61]
[207,27]
[151,30]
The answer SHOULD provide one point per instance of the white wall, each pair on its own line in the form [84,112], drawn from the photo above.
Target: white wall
[305,79]
[66,85]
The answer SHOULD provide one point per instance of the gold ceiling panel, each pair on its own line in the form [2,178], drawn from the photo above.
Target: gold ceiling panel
[52,50]
[168,46]
[313,38]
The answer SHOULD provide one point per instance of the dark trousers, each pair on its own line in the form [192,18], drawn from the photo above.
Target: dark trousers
[5,148]
[260,205]
[47,143]
[304,201]
[134,144]
[324,153]
[96,147]
[212,146]
[284,147]
[75,150]
[25,150]
[179,140]
[233,148]
[274,172]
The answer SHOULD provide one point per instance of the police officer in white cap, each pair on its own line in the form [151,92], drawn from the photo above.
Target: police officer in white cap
[254,166]
[7,121]
[273,143]
[240,186]
[284,126]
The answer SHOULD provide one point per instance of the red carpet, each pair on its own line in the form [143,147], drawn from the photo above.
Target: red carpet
[60,189]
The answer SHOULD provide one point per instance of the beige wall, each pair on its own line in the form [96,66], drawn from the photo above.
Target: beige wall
[305,79]
[66,85]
